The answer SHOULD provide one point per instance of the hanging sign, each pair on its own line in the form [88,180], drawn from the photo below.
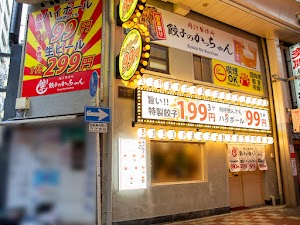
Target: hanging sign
[296,120]
[132,164]
[63,48]
[295,62]
[261,158]
[233,158]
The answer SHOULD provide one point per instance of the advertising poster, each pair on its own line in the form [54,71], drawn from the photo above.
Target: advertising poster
[63,48]
[132,164]
[295,63]
[252,165]
[179,32]
[243,157]
[157,106]
[233,158]
[236,77]
[261,158]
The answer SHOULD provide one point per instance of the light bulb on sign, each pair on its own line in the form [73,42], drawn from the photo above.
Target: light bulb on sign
[254,101]
[253,139]
[247,139]
[259,102]
[167,85]
[184,88]
[222,95]
[207,92]
[193,90]
[235,138]
[248,100]
[215,94]
[270,140]
[161,134]
[176,87]
[228,96]
[242,98]
[198,136]
[214,137]
[264,140]
[265,102]
[182,135]
[142,81]
[190,135]
[200,91]
[142,132]
[149,82]
[206,136]
[258,139]
[221,137]
[228,137]
[151,133]
[158,83]
[235,97]
[241,138]
[171,134]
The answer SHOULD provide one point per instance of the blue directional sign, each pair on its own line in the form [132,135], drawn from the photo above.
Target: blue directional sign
[94,114]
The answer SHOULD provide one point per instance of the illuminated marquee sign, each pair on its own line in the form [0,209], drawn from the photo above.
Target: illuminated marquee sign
[126,9]
[130,54]
[184,111]
[63,48]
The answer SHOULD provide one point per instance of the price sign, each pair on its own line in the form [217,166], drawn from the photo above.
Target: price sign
[63,48]
[156,106]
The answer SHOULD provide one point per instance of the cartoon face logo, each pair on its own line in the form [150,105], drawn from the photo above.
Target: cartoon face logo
[234,152]
[41,87]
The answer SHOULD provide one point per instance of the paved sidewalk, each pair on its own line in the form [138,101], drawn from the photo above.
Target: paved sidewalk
[272,215]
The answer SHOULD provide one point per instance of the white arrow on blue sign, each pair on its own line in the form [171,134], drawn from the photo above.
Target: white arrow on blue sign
[97,114]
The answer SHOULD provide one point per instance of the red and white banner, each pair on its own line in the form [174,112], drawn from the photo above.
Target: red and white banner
[261,158]
[233,158]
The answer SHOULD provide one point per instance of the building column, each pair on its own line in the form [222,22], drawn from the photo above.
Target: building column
[281,98]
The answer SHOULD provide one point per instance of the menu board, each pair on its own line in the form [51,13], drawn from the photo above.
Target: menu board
[132,164]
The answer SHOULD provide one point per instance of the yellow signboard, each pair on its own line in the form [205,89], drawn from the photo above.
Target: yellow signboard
[236,77]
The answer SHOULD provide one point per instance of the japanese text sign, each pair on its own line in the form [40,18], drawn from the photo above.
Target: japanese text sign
[236,77]
[295,61]
[63,48]
[201,39]
[157,106]
[296,120]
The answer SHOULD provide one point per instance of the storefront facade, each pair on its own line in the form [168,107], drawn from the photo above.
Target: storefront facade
[195,126]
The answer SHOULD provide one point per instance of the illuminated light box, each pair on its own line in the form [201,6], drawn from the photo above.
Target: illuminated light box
[185,111]
[132,164]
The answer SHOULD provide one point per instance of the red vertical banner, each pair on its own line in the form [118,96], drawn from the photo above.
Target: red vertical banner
[63,48]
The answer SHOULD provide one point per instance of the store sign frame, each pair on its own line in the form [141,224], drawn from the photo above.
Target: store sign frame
[176,109]
[63,48]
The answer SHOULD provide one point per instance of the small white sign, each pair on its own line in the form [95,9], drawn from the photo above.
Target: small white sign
[296,120]
[294,167]
[98,127]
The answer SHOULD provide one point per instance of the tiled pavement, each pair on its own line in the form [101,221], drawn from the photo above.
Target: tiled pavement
[273,215]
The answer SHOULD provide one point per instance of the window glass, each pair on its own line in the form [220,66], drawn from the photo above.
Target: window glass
[159,59]
[202,69]
[176,162]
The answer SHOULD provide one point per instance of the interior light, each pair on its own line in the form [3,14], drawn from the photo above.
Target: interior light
[258,139]
[200,91]
[241,138]
[161,134]
[182,135]
[151,133]
[198,136]
[167,85]
[193,90]
[254,101]
[190,135]
[253,139]
[184,88]
[259,102]
[264,140]
[265,102]
[206,136]
[221,137]
[171,134]
[158,83]
[142,132]
[214,136]
[176,87]
[149,82]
